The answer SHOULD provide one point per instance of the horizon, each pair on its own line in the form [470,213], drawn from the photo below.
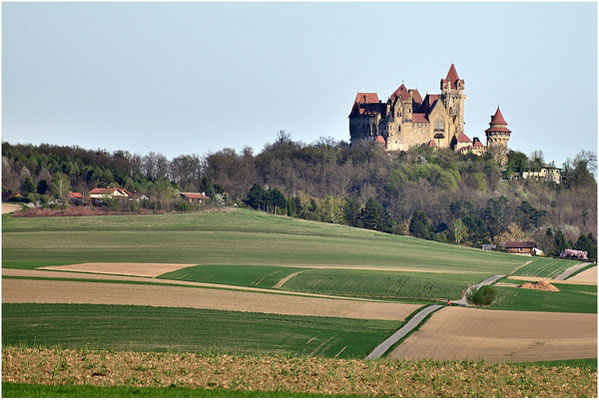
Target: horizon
[197,78]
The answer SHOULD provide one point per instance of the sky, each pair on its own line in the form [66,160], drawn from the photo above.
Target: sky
[194,78]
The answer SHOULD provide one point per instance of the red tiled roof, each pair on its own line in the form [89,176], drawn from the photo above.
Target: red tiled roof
[367,109]
[519,244]
[462,138]
[401,92]
[429,100]
[452,77]
[102,190]
[465,149]
[497,119]
[419,117]
[76,195]
[498,129]
[379,139]
[416,95]
[432,143]
[477,143]
[191,195]
[362,98]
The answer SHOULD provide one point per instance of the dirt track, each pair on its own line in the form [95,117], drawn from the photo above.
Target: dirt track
[538,278]
[8,208]
[456,333]
[590,275]
[48,291]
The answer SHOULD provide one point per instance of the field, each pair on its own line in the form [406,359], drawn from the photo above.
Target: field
[240,286]
[114,327]
[227,375]
[502,336]
[545,267]
[586,275]
[570,298]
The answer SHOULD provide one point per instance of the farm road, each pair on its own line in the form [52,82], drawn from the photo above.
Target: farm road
[570,271]
[8,208]
[488,281]
[402,332]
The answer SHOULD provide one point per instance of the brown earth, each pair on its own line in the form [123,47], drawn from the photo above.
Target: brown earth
[8,208]
[540,278]
[589,275]
[456,333]
[505,284]
[380,378]
[539,285]
[134,269]
[138,269]
[48,291]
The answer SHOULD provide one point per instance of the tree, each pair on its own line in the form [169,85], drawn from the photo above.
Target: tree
[459,231]
[276,200]
[493,215]
[375,216]
[256,197]
[27,187]
[42,186]
[61,186]
[352,211]
[331,209]
[420,226]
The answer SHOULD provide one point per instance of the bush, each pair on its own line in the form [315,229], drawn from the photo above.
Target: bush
[483,296]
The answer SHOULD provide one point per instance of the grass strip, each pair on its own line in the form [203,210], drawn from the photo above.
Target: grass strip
[586,363]
[170,329]
[16,390]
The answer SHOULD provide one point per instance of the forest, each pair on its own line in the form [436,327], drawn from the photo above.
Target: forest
[428,193]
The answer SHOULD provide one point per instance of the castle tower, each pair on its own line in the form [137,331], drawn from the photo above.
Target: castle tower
[497,136]
[452,96]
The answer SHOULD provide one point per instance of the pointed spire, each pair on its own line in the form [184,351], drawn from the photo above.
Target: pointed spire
[452,75]
[497,119]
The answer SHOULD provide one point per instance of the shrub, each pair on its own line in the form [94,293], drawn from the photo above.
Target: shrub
[483,296]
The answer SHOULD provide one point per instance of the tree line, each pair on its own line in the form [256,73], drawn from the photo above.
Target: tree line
[433,194]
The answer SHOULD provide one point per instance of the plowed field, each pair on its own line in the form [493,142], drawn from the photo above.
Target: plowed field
[590,275]
[501,336]
[48,291]
[136,269]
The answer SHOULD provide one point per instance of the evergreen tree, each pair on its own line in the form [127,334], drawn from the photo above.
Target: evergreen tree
[420,226]
[256,198]
[560,243]
[42,186]
[352,212]
[27,187]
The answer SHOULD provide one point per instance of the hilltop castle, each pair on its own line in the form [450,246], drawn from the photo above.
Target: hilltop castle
[437,120]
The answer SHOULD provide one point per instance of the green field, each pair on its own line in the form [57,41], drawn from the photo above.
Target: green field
[545,267]
[570,298]
[242,275]
[230,238]
[142,328]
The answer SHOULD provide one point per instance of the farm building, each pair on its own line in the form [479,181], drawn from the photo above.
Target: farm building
[103,193]
[520,247]
[194,197]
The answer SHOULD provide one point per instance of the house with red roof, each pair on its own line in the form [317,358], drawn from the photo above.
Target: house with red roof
[407,119]
[97,194]
[195,197]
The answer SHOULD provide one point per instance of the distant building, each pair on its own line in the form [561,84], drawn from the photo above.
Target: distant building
[489,247]
[546,174]
[107,193]
[406,120]
[195,197]
[520,247]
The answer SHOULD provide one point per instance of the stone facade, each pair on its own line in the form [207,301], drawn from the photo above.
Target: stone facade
[407,120]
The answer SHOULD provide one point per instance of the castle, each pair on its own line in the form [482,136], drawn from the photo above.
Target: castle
[406,120]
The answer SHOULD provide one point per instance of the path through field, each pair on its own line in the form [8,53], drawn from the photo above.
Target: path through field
[540,278]
[464,302]
[458,333]
[49,291]
[590,275]
[570,271]
[8,208]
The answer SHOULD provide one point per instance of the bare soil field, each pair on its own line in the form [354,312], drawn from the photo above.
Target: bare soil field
[506,284]
[8,208]
[151,270]
[456,333]
[319,376]
[148,269]
[590,275]
[48,291]
[567,281]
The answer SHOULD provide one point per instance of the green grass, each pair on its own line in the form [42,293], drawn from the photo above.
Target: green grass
[545,267]
[586,363]
[570,298]
[10,389]
[242,275]
[387,285]
[232,238]
[139,328]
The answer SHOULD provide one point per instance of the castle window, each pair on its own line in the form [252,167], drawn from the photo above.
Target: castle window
[439,125]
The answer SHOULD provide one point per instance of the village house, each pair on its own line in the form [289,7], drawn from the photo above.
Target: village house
[546,174]
[195,197]
[520,247]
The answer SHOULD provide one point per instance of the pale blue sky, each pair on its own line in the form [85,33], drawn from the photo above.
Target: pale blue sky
[181,78]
